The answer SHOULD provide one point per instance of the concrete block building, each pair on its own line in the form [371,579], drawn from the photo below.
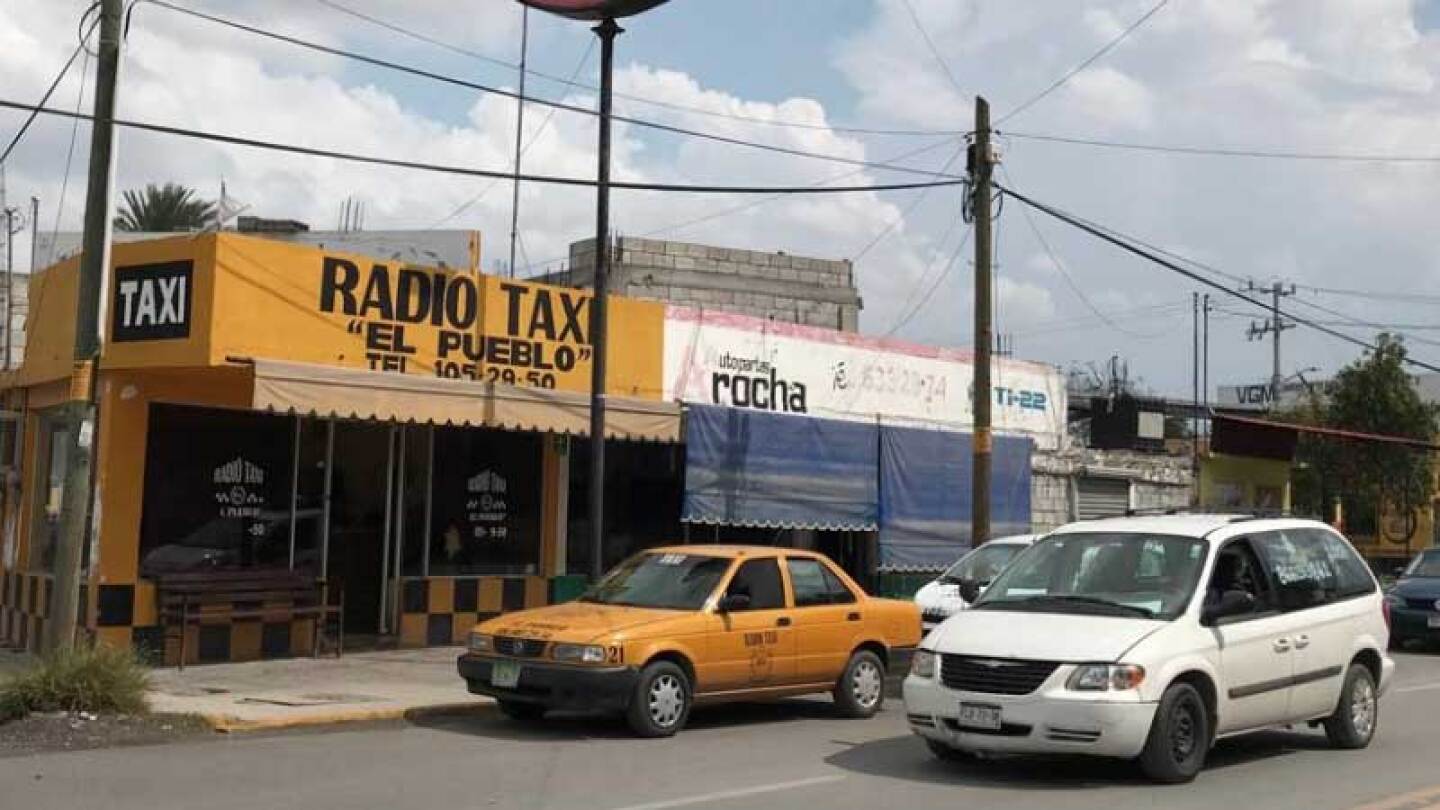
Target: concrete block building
[774,286]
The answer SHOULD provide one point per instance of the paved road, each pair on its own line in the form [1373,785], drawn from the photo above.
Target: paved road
[796,754]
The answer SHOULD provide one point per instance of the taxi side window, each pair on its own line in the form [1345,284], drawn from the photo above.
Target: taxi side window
[814,584]
[759,580]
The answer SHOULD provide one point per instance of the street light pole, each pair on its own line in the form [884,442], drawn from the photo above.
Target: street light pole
[607,30]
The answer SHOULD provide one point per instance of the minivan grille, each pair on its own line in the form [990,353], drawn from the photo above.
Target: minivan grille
[519,647]
[995,676]
[1421,604]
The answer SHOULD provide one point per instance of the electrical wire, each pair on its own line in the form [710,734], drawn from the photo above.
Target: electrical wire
[908,210]
[1109,46]
[934,51]
[930,293]
[1339,157]
[256,143]
[469,85]
[724,212]
[1130,245]
[1407,297]
[1351,320]
[1060,268]
[544,125]
[69,154]
[45,99]
[579,85]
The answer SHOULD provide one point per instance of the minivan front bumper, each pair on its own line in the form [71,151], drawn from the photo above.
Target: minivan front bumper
[1038,723]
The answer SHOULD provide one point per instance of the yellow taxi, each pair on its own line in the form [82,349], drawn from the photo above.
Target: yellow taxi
[672,627]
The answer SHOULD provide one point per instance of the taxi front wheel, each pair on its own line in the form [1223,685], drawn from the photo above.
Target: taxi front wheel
[661,702]
[861,688]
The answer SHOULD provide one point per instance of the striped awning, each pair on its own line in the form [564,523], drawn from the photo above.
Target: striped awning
[344,393]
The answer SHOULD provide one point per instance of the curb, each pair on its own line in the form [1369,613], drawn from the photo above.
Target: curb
[230,724]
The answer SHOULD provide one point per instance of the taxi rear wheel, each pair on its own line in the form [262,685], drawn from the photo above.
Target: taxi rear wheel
[860,692]
[661,702]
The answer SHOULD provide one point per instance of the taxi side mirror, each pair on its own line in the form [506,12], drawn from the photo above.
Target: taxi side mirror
[732,602]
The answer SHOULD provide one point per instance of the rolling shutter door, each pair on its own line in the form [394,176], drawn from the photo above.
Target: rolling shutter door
[1101,497]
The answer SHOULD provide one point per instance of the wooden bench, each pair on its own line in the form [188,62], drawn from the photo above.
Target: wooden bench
[192,598]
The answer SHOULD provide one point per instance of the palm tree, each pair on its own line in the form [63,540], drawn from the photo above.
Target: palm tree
[162,209]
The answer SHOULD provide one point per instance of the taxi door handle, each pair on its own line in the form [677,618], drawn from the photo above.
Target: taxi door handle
[1282,645]
[1301,642]
[783,621]
[853,617]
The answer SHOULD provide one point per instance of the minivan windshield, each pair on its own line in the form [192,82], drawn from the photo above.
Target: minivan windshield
[1133,574]
[1426,564]
[983,564]
[663,581]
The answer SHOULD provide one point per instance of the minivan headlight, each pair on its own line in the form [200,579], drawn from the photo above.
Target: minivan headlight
[1105,677]
[922,664]
[583,653]
[480,643]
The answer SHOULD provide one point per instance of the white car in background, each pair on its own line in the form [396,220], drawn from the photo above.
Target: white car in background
[954,590]
[1150,638]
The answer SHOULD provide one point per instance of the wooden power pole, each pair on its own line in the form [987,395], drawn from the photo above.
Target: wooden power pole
[981,164]
[79,409]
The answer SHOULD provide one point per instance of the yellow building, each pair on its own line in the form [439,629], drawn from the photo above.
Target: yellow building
[397,432]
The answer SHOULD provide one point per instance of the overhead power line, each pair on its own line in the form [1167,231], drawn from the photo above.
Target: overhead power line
[50,91]
[1407,297]
[235,140]
[1345,319]
[469,85]
[1058,83]
[907,211]
[1125,244]
[934,51]
[1219,151]
[579,85]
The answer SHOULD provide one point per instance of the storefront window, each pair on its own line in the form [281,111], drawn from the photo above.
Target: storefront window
[486,503]
[644,484]
[217,492]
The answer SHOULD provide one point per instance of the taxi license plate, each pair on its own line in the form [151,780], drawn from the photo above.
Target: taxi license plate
[980,716]
[1434,621]
[505,675]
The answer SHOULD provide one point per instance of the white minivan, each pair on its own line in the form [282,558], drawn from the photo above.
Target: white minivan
[1148,638]
[954,590]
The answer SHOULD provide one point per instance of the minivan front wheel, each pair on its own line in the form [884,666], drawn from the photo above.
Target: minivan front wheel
[1179,736]
[1358,713]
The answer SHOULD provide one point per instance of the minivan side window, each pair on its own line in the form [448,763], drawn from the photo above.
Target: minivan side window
[1351,573]
[1305,573]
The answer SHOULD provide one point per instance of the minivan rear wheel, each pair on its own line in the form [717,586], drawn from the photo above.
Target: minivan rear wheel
[1179,736]
[1358,712]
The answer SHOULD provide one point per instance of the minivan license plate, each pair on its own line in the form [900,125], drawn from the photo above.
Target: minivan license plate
[979,715]
[505,675]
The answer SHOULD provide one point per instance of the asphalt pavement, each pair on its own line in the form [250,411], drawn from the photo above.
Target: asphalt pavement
[794,754]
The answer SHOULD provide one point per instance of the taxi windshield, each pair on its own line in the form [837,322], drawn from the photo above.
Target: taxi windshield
[1146,576]
[664,581]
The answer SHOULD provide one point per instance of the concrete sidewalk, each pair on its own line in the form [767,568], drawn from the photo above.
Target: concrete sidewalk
[260,695]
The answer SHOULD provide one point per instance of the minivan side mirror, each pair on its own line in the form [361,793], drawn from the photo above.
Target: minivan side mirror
[969,590]
[732,602]
[1232,603]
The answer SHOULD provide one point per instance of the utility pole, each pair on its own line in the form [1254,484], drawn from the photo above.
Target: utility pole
[607,30]
[981,165]
[34,231]
[1205,361]
[1273,327]
[519,137]
[79,410]
[1195,398]
[10,230]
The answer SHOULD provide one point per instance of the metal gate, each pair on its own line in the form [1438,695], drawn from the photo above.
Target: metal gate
[1101,497]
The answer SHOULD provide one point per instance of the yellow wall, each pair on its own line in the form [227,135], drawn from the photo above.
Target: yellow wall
[1243,482]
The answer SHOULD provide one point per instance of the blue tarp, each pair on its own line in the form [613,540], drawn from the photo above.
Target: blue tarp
[925,494]
[755,468]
